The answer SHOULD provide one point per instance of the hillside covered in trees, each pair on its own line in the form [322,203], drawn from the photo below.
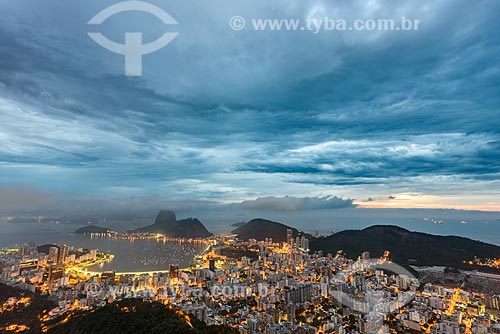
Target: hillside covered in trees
[133,316]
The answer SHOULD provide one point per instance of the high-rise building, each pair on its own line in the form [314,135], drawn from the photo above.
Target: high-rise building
[93,254]
[55,272]
[63,253]
[304,243]
[290,310]
[289,236]
[53,254]
[211,265]
[402,282]
[108,277]
[27,266]
[27,249]
[173,271]
[371,323]
[253,324]
[493,302]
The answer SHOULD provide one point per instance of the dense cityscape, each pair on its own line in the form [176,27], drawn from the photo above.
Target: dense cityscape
[250,167]
[263,287]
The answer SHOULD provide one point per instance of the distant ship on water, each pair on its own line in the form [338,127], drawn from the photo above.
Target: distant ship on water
[437,222]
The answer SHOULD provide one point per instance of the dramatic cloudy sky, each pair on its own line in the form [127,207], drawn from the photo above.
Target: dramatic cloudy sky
[384,118]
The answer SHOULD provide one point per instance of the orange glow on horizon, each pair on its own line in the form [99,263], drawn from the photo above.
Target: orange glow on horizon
[424,201]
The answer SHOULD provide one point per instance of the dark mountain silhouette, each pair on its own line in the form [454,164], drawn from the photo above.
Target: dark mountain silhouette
[167,223]
[260,229]
[407,247]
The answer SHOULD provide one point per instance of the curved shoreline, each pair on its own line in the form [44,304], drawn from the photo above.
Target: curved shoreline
[84,271]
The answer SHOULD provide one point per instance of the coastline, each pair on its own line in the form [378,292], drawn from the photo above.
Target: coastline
[110,257]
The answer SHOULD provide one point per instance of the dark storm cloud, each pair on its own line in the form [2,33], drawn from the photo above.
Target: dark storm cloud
[221,114]
[296,204]
[364,162]
[24,200]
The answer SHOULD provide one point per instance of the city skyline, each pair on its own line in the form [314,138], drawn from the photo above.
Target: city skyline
[257,279]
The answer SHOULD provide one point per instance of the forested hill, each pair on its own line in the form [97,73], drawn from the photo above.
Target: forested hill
[133,316]
[407,247]
[260,229]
